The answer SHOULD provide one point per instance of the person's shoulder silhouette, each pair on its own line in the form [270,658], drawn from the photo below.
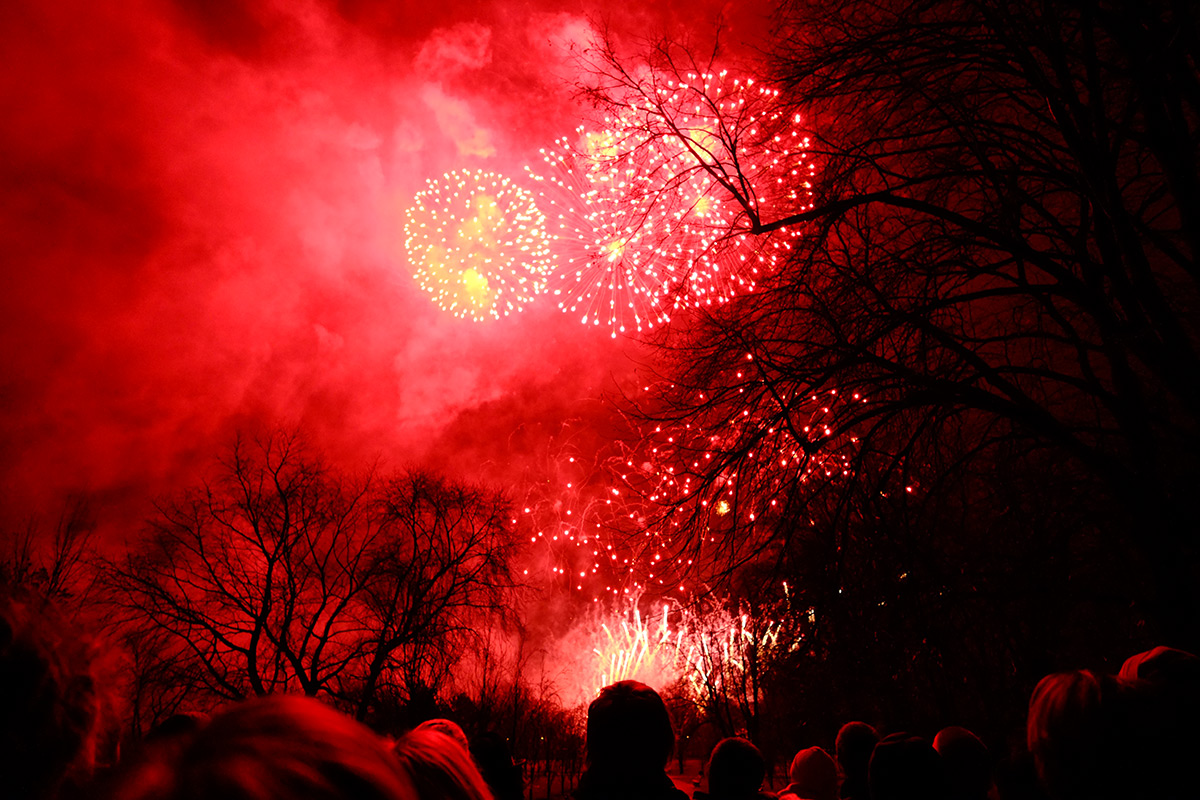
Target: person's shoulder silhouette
[629,741]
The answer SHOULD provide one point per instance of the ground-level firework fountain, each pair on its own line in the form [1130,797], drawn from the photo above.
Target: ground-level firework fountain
[698,652]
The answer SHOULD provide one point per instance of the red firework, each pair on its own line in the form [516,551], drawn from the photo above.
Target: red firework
[662,208]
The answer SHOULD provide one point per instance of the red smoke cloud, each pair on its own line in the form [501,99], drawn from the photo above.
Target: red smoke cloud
[201,215]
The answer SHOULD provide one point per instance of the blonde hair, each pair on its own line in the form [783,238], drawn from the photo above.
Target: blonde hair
[273,748]
[438,767]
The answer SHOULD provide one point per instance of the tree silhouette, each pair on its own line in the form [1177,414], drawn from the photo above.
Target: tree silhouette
[53,567]
[441,577]
[994,276]
[284,576]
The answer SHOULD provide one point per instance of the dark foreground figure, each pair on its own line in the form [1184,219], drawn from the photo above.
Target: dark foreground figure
[629,741]
[1131,735]
[1090,736]
[813,775]
[736,771]
[272,748]
[296,748]
[52,703]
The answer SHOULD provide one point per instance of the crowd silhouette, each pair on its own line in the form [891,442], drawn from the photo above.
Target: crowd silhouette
[1089,735]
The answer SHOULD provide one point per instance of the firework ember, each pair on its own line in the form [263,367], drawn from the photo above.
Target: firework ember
[478,243]
[720,485]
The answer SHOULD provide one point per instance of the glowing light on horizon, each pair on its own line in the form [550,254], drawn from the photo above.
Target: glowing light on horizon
[478,244]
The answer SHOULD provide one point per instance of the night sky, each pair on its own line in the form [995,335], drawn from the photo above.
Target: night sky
[201,221]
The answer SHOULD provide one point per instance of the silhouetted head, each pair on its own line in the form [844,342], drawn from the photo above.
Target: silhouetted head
[1080,732]
[495,763]
[438,767]
[273,748]
[181,725]
[1162,665]
[905,767]
[629,731]
[1017,779]
[813,775]
[448,727]
[735,770]
[1169,682]
[966,762]
[51,703]
[855,741]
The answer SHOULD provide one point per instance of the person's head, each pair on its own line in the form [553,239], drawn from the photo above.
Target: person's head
[853,747]
[813,775]
[51,701]
[1079,730]
[967,763]
[439,767]
[1016,778]
[492,756]
[1169,683]
[629,730]
[448,727]
[735,769]
[905,767]
[273,748]
[1162,665]
[178,726]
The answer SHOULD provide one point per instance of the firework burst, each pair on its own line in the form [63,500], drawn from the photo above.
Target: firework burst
[663,208]
[478,243]
[607,258]
[637,648]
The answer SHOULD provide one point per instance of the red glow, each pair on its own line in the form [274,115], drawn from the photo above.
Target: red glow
[203,212]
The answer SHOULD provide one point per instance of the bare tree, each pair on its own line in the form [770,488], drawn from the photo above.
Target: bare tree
[440,578]
[285,576]
[54,567]
[994,274]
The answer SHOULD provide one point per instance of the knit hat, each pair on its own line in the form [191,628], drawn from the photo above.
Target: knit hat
[814,775]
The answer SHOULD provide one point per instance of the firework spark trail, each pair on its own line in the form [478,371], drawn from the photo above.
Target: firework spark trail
[478,243]
[678,459]
[721,645]
[703,651]
[657,211]
[639,651]
[568,510]
[658,515]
